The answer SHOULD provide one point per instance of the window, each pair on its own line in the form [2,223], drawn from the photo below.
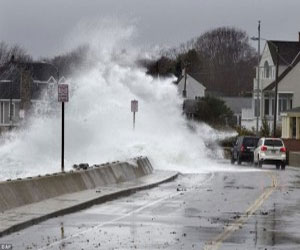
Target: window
[294,124]
[259,143]
[267,107]
[285,102]
[250,142]
[12,110]
[282,105]
[273,143]
[273,106]
[267,69]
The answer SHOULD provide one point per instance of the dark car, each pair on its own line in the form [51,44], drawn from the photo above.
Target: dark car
[243,149]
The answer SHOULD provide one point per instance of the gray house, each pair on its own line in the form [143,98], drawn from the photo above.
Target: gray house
[21,88]
[236,104]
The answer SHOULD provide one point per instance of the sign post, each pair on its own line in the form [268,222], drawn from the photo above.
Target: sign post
[63,96]
[134,109]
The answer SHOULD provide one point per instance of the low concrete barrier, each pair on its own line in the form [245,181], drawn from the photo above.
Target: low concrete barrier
[294,159]
[15,193]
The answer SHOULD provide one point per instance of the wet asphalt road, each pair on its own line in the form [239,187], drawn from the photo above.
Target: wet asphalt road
[238,208]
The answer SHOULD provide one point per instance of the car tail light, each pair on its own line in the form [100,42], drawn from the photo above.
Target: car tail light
[263,148]
[242,148]
[283,149]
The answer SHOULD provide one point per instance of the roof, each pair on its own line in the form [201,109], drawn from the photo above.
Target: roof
[285,72]
[10,78]
[294,110]
[287,50]
[39,71]
[192,75]
[236,104]
[11,90]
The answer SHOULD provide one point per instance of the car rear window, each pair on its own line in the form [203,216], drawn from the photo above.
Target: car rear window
[273,143]
[250,142]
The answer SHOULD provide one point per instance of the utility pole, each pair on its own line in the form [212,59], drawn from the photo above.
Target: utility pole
[134,109]
[276,91]
[184,88]
[258,90]
[12,62]
[10,105]
[62,129]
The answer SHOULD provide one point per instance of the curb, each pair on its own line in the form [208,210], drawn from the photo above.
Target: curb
[86,204]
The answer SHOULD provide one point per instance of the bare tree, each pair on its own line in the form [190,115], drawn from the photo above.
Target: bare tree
[6,52]
[70,62]
[229,59]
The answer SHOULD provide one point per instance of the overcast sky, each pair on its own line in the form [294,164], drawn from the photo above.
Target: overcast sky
[43,27]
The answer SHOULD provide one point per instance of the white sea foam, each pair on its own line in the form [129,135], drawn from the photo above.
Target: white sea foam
[98,123]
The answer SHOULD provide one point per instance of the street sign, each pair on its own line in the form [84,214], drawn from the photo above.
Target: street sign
[134,109]
[63,92]
[63,96]
[134,106]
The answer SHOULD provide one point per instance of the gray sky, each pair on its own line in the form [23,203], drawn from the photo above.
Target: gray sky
[43,27]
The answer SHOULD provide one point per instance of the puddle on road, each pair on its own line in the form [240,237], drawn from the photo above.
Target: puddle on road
[277,228]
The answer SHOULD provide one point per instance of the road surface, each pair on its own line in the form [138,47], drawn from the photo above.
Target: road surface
[242,208]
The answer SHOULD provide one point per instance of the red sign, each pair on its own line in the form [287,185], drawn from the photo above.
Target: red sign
[63,92]
[134,106]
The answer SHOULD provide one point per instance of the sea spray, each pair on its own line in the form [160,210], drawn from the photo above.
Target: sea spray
[98,123]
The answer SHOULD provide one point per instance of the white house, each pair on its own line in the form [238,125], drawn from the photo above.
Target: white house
[194,89]
[21,87]
[288,86]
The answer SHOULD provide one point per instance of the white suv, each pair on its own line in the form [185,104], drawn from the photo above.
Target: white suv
[270,151]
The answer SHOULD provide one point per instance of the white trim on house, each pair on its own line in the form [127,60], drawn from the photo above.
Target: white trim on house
[40,82]
[286,92]
[62,80]
[51,80]
[7,100]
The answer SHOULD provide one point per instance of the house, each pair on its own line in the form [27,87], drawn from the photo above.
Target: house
[291,124]
[291,135]
[236,104]
[193,88]
[21,89]
[288,83]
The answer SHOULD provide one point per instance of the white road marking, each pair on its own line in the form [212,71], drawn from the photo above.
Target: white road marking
[120,217]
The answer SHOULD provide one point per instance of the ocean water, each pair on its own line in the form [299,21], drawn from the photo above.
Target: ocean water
[99,122]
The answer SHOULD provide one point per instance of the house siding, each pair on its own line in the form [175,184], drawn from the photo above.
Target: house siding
[291,83]
[193,88]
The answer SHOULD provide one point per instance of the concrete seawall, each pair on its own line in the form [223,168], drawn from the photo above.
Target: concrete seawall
[20,192]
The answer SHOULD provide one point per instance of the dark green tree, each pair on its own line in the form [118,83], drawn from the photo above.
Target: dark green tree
[214,111]
[265,128]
